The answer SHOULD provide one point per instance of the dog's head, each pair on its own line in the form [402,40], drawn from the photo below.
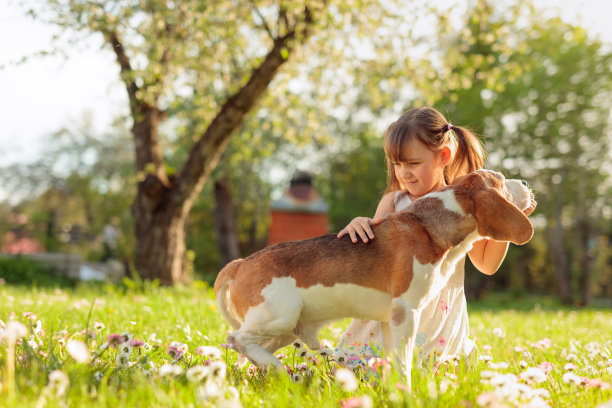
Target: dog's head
[498,205]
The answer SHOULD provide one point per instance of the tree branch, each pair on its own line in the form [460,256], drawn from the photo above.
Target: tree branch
[263,20]
[208,149]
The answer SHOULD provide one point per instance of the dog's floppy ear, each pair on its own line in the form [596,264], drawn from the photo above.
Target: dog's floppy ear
[500,219]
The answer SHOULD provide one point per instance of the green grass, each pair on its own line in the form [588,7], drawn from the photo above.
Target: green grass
[160,316]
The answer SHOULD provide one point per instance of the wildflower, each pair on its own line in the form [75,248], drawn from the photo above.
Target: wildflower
[298,344]
[208,391]
[310,358]
[99,326]
[487,399]
[58,382]
[542,344]
[365,401]
[340,357]
[498,366]
[172,352]
[183,348]
[346,379]
[146,347]
[123,359]
[136,343]
[533,374]
[29,315]
[325,352]
[499,332]
[170,370]
[523,364]
[485,358]
[597,383]
[61,341]
[487,374]
[115,339]
[217,370]
[572,379]
[302,352]
[126,336]
[209,352]
[546,367]
[571,357]
[441,341]
[302,367]
[13,332]
[38,327]
[197,373]
[98,375]
[78,350]
[126,349]
[375,363]
[280,356]
[570,367]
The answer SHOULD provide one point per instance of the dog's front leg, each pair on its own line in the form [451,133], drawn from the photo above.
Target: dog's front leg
[403,327]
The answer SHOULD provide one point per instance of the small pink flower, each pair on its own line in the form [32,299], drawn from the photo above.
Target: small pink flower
[115,339]
[173,352]
[375,363]
[546,367]
[597,383]
[280,356]
[441,341]
[444,306]
[227,346]
[353,402]
[136,343]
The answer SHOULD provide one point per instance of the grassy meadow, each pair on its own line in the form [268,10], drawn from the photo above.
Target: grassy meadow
[138,344]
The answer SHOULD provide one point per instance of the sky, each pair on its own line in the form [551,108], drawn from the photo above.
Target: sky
[41,95]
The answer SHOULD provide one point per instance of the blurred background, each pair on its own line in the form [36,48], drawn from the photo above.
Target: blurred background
[532,78]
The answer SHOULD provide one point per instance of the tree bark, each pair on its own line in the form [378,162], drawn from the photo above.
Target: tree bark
[225,224]
[162,204]
[558,251]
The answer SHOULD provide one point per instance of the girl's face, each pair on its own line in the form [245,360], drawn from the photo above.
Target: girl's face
[421,170]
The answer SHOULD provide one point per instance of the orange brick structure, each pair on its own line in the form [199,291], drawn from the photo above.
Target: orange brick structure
[300,213]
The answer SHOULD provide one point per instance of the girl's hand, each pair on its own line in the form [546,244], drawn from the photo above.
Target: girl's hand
[532,205]
[360,226]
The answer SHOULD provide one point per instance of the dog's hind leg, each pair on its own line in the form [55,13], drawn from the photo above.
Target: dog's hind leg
[309,334]
[270,323]
[277,342]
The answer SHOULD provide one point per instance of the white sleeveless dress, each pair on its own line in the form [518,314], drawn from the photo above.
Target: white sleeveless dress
[443,328]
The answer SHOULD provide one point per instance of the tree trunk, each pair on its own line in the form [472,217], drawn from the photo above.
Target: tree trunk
[225,223]
[162,203]
[558,249]
[585,262]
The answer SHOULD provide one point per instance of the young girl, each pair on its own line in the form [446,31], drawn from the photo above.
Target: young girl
[424,153]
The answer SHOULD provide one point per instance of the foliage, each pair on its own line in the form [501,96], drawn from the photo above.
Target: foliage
[24,271]
[166,365]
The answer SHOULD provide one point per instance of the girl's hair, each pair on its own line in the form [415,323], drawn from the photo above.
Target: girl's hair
[431,128]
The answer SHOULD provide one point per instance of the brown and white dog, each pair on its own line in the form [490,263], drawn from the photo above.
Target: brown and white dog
[290,290]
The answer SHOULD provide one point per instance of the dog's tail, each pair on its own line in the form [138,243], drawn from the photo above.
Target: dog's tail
[223,286]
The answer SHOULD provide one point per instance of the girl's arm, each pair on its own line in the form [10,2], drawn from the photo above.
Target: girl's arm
[487,254]
[362,226]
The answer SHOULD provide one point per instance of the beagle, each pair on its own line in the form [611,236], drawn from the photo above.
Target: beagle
[290,290]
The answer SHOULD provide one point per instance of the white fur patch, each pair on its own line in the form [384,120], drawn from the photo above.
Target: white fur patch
[449,200]
[344,300]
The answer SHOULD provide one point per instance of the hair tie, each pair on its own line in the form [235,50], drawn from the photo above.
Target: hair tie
[449,127]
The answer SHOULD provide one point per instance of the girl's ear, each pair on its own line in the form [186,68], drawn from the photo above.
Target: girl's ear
[445,155]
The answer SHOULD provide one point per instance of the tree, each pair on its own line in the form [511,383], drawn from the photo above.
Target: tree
[166,48]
